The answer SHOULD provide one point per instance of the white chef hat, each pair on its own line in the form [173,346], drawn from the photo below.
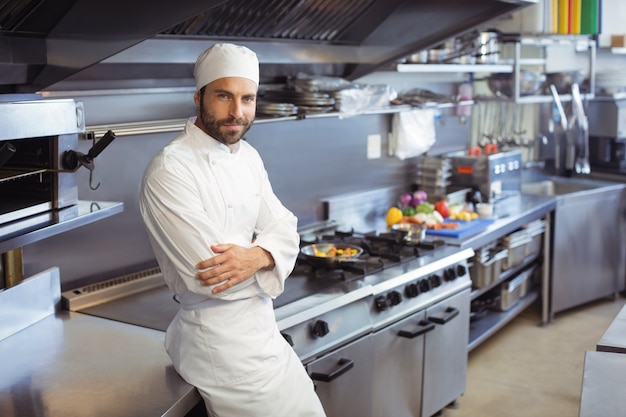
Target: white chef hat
[226,60]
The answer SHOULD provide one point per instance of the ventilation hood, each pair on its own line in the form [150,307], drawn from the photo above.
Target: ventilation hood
[148,43]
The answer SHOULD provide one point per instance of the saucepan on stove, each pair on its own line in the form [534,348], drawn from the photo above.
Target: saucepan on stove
[410,233]
[331,255]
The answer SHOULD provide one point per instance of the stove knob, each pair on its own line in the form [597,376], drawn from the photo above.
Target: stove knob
[435,280]
[394,298]
[449,274]
[461,270]
[425,285]
[382,303]
[287,338]
[320,328]
[412,290]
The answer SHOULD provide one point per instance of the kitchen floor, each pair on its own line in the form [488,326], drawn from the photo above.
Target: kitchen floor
[530,370]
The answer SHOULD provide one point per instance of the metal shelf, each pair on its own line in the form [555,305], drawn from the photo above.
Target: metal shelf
[482,329]
[534,99]
[177,125]
[506,275]
[578,42]
[54,222]
[426,68]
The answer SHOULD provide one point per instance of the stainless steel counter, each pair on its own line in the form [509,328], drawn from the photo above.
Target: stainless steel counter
[614,338]
[510,214]
[604,379]
[71,364]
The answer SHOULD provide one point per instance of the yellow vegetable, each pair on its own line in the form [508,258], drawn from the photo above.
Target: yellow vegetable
[465,216]
[394,215]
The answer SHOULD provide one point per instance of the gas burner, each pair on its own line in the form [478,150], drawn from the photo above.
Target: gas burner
[386,249]
[344,272]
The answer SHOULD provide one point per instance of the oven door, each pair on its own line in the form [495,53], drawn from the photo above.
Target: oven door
[343,379]
[398,367]
[445,357]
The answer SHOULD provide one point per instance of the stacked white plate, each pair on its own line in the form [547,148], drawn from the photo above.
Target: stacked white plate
[610,82]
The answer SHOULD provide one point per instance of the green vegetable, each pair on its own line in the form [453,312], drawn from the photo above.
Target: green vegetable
[425,208]
[408,211]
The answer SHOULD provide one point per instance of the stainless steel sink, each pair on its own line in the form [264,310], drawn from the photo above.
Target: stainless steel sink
[562,186]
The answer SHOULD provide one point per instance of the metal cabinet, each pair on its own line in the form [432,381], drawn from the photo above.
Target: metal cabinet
[445,360]
[342,379]
[588,247]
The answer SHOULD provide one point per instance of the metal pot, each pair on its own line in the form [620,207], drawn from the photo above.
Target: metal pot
[411,233]
[318,254]
[487,48]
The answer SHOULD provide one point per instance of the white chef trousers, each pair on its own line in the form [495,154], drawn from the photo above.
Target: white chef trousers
[242,366]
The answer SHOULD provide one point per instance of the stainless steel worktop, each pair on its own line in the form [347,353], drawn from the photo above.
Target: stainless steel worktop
[614,338]
[510,214]
[604,378]
[57,363]
[71,364]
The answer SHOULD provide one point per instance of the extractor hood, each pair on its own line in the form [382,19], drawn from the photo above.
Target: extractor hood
[147,43]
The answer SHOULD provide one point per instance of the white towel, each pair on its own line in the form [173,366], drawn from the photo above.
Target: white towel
[412,133]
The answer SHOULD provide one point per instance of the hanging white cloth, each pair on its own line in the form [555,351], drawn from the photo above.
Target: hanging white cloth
[412,133]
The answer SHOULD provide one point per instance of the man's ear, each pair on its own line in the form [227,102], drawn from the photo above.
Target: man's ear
[196,98]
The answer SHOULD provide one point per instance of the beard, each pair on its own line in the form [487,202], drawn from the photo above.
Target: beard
[213,126]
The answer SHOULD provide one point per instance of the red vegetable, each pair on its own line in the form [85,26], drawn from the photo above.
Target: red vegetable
[441,207]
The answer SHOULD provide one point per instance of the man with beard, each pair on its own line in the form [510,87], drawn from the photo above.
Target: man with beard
[225,245]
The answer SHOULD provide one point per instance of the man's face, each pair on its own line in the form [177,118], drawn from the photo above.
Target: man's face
[226,108]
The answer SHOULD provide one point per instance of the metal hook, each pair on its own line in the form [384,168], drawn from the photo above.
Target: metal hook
[91,181]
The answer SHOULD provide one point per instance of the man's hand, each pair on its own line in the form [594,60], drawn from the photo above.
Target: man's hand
[231,265]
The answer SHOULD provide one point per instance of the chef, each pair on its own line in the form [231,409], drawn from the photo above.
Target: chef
[225,245]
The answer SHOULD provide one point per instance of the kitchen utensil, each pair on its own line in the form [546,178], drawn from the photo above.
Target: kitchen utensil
[504,83]
[487,47]
[563,80]
[563,122]
[411,233]
[559,106]
[312,253]
[583,126]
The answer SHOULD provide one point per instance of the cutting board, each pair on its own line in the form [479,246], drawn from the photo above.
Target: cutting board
[465,229]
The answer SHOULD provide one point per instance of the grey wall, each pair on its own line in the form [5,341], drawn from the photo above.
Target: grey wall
[307,160]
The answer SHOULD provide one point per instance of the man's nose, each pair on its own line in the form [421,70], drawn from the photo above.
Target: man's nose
[236,109]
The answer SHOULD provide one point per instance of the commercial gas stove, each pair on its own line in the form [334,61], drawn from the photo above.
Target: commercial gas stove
[343,322]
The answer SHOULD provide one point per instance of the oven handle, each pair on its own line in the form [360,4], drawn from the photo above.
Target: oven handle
[447,315]
[344,366]
[423,328]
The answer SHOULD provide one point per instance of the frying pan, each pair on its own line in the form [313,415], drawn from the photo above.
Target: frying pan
[314,253]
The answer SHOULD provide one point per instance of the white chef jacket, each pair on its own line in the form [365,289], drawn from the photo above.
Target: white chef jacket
[197,193]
